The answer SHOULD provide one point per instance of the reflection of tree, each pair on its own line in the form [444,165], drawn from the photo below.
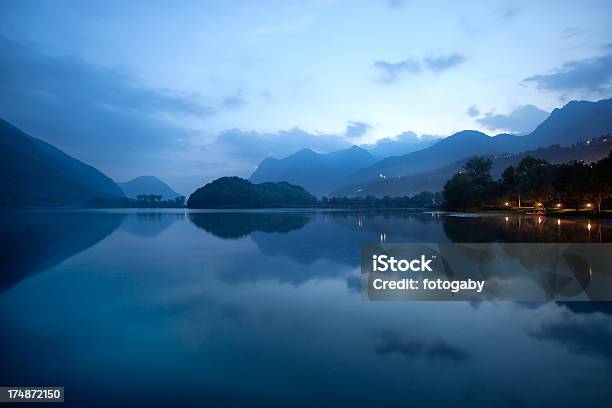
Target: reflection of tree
[556,269]
[41,240]
[233,225]
[517,229]
[149,224]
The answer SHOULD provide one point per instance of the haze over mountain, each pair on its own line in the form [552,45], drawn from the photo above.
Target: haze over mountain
[434,180]
[404,143]
[35,173]
[576,121]
[317,173]
[146,185]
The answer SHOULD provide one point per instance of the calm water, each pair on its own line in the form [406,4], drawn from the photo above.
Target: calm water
[263,309]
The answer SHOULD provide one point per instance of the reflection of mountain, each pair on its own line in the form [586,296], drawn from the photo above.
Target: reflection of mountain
[233,225]
[148,225]
[34,241]
[337,236]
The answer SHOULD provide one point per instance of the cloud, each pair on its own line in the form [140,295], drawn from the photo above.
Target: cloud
[472,111]
[234,102]
[391,71]
[521,120]
[591,75]
[357,129]
[101,115]
[511,13]
[570,32]
[445,62]
[251,147]
[403,143]
[395,3]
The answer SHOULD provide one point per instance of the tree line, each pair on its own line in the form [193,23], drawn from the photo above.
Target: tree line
[422,200]
[532,183]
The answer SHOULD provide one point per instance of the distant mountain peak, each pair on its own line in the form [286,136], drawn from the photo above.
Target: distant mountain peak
[318,173]
[148,185]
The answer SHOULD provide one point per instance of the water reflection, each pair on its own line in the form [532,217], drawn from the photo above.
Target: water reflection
[234,225]
[33,241]
[149,224]
[525,229]
[234,309]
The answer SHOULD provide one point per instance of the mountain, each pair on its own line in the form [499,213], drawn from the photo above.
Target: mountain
[576,121]
[448,150]
[317,173]
[35,173]
[235,192]
[434,180]
[147,185]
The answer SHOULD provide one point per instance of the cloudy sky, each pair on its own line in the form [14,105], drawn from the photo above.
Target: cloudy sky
[189,91]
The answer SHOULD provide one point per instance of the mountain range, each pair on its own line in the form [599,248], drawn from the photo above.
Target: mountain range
[576,121]
[147,185]
[434,180]
[317,173]
[35,173]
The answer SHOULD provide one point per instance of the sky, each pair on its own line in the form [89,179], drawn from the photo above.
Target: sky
[192,90]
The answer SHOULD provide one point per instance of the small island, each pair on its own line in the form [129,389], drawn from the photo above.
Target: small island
[235,192]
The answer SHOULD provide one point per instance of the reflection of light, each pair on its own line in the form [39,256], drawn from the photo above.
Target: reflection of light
[558,221]
[589,226]
[559,205]
[538,204]
[539,220]
[507,219]
[359,222]
[383,237]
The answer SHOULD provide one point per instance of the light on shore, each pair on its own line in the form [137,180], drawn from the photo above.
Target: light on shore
[558,205]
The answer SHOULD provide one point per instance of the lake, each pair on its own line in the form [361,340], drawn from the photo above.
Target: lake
[263,308]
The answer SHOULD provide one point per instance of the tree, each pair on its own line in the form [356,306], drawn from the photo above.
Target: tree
[601,180]
[511,183]
[535,179]
[479,168]
[572,182]
[462,193]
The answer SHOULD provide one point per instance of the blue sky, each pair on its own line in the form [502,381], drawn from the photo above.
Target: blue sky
[189,91]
